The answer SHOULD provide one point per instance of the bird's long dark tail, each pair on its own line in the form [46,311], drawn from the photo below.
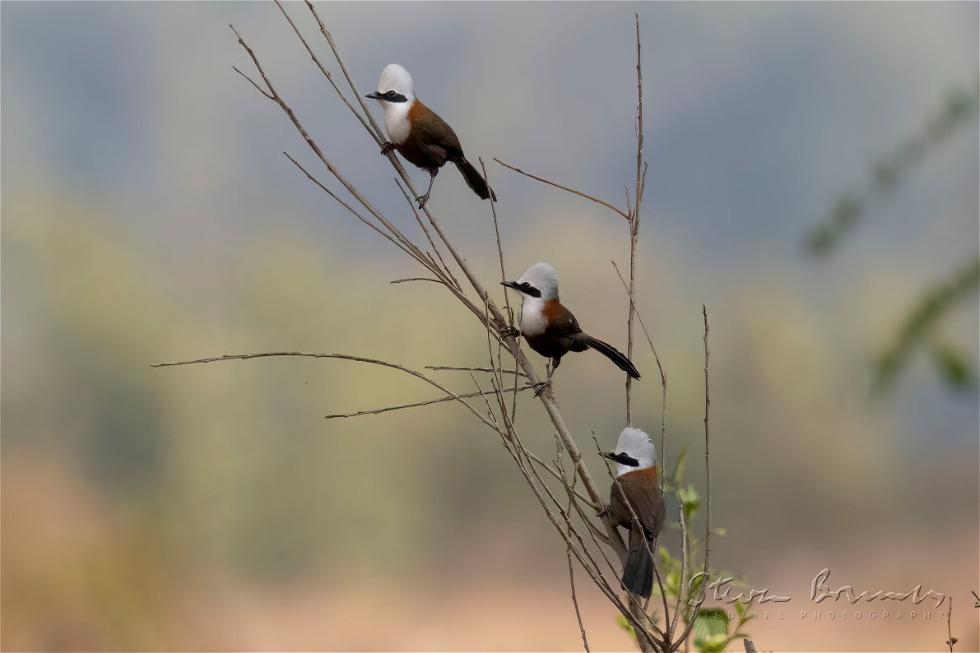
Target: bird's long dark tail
[474,179]
[638,572]
[611,353]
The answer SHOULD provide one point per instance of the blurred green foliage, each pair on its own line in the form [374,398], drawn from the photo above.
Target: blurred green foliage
[921,322]
[958,108]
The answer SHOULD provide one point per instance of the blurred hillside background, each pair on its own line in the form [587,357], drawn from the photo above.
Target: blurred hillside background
[148,214]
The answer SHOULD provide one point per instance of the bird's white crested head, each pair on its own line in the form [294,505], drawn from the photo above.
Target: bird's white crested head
[635,445]
[543,278]
[396,78]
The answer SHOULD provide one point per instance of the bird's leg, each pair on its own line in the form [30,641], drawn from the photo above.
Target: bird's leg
[509,332]
[387,147]
[546,385]
[422,199]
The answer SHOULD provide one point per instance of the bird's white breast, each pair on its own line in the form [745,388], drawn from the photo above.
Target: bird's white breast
[396,120]
[533,320]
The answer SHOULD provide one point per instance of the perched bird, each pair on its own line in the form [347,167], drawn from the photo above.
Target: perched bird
[550,328]
[636,474]
[419,135]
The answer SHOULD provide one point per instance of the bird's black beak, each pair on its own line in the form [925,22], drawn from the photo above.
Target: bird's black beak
[511,284]
[374,96]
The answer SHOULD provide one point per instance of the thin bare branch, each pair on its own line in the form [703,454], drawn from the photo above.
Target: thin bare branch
[346,357]
[568,550]
[950,640]
[326,73]
[500,250]
[449,368]
[374,129]
[252,82]
[685,555]
[573,191]
[634,220]
[275,97]
[503,277]
[663,374]
[397,243]
[707,443]
[707,471]
[407,279]
[428,236]
[416,404]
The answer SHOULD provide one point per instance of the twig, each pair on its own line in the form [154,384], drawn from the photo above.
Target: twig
[429,402]
[950,641]
[503,277]
[374,130]
[428,236]
[685,555]
[707,472]
[346,357]
[473,369]
[571,569]
[396,242]
[573,191]
[326,73]
[660,367]
[634,220]
[407,279]
[500,250]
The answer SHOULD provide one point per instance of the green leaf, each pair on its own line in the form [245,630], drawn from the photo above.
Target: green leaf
[921,321]
[624,623]
[742,610]
[953,367]
[690,501]
[711,630]
[679,468]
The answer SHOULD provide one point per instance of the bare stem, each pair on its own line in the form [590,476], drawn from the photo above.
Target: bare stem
[573,191]
[635,220]
[417,404]
[707,471]
[660,367]
[950,640]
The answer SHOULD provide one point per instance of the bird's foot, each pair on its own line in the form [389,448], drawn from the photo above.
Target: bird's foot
[422,199]
[509,332]
[387,147]
[541,387]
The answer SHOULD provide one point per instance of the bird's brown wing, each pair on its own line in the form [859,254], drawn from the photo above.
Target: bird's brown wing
[561,322]
[433,130]
[643,490]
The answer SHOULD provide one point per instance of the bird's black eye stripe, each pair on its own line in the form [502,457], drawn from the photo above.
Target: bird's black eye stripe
[393,96]
[626,459]
[528,289]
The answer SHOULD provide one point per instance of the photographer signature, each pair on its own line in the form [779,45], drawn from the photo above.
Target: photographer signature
[820,591]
